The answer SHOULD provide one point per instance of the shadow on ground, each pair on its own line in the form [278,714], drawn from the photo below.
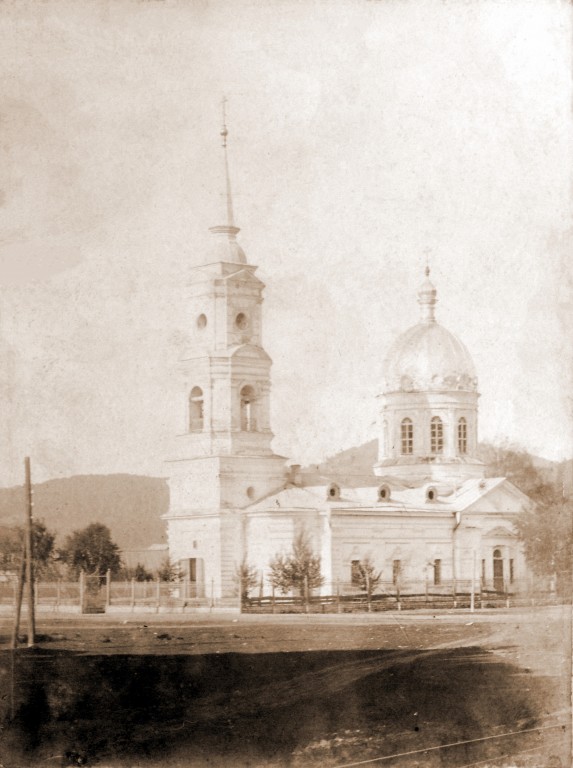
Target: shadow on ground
[273,709]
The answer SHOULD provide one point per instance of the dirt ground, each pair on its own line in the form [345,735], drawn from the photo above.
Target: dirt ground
[406,689]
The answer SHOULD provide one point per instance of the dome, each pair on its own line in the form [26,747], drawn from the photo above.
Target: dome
[429,357]
[224,246]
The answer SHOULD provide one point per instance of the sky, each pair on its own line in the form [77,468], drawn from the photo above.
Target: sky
[365,137]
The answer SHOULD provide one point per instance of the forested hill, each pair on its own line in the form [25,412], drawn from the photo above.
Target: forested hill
[130,505]
[522,468]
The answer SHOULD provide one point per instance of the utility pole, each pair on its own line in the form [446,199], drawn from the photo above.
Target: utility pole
[30,557]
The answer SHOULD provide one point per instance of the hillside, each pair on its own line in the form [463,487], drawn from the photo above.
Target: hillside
[354,465]
[130,505]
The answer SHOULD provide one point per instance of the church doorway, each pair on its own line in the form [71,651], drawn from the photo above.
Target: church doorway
[497,570]
[195,577]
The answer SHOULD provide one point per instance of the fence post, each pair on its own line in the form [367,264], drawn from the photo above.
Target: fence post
[261,588]
[368,595]
[398,595]
[338,606]
[273,597]
[82,590]
[107,589]
[212,594]
[473,592]
[306,606]
[157,594]
[58,594]
[426,583]
[132,600]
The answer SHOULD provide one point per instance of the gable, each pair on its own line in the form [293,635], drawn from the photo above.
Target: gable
[503,498]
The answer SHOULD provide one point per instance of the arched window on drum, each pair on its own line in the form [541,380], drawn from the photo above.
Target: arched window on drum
[196,418]
[436,435]
[462,436]
[407,437]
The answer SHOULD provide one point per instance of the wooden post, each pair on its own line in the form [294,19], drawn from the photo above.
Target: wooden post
[338,606]
[473,592]
[107,589]
[306,606]
[273,597]
[368,595]
[58,594]
[132,601]
[426,583]
[212,594]
[18,598]
[30,558]
[261,588]
[157,594]
[82,590]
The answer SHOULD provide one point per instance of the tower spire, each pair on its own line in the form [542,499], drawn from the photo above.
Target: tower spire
[226,232]
[228,194]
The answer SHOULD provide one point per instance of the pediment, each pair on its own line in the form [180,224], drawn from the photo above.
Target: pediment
[503,497]
[499,531]
[243,276]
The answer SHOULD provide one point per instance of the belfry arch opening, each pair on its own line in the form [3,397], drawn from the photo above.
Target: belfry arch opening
[196,417]
[248,409]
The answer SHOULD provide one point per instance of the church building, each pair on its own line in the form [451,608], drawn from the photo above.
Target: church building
[426,512]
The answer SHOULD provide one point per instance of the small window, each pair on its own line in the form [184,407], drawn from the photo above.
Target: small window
[436,436]
[483,571]
[248,420]
[407,435]
[384,493]
[355,573]
[511,574]
[431,494]
[462,436]
[196,410]
[201,321]
[333,492]
[396,571]
[437,571]
[242,321]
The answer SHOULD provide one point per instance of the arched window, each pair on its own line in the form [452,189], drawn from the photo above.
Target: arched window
[436,435]
[196,410]
[462,436]
[407,435]
[248,420]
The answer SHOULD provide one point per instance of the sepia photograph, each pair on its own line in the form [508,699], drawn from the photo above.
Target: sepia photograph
[286,383]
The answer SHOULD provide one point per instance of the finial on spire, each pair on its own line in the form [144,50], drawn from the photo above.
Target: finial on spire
[427,296]
[224,131]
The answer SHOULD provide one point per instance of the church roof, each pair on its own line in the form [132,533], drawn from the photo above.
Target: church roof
[316,497]
[427,356]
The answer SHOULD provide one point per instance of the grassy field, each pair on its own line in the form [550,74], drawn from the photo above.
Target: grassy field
[409,689]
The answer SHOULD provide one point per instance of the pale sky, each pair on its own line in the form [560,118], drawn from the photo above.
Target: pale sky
[364,136]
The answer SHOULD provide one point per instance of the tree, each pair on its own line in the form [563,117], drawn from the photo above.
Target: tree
[545,528]
[518,466]
[367,577]
[92,551]
[298,570]
[167,571]
[247,578]
[12,549]
[546,533]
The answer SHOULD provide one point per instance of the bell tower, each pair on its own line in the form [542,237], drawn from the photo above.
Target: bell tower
[223,457]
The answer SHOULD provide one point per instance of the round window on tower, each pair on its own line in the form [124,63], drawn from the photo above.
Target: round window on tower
[201,321]
[242,321]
